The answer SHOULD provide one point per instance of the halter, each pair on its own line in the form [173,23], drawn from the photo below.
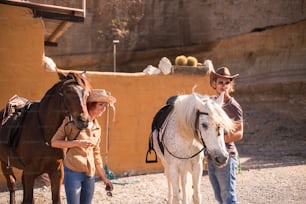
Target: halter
[196,131]
[67,113]
[196,128]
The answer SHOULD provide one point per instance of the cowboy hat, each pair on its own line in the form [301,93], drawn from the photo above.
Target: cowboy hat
[101,95]
[222,72]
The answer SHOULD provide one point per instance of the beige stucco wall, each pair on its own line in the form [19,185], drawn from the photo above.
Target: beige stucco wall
[138,96]
[21,52]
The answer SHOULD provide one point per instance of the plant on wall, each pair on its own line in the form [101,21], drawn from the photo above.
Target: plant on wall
[181,60]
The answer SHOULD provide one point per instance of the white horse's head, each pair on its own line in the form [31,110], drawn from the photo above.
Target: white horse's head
[211,123]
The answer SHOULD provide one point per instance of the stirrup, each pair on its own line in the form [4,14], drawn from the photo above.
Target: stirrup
[147,155]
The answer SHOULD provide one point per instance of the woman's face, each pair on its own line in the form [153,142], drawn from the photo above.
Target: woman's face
[98,109]
[223,85]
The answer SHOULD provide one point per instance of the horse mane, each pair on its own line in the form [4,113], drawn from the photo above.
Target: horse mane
[186,110]
[80,79]
[219,116]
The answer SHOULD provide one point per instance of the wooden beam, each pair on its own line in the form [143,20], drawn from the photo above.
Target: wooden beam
[57,16]
[51,44]
[59,31]
[51,11]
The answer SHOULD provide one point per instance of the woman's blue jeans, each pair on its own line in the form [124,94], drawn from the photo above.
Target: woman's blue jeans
[223,180]
[79,188]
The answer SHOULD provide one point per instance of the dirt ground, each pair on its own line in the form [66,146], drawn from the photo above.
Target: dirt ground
[283,184]
[273,162]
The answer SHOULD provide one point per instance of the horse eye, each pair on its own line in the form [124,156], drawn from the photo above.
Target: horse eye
[204,125]
[219,131]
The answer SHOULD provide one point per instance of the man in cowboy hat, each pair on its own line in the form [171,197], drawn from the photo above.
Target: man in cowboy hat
[223,179]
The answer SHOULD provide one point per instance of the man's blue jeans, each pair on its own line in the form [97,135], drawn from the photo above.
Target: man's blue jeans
[79,188]
[223,180]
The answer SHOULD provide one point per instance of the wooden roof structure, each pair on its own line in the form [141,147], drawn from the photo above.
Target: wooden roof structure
[57,19]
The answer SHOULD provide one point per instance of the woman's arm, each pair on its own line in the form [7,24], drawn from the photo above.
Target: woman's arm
[59,140]
[101,172]
[68,144]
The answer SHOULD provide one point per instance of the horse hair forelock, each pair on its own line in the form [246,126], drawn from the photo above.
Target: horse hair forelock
[185,108]
[219,116]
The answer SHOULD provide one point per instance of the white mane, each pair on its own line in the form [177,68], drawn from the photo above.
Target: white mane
[186,109]
[219,116]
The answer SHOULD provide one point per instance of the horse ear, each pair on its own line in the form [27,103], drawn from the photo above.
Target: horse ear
[220,99]
[83,74]
[61,75]
[198,98]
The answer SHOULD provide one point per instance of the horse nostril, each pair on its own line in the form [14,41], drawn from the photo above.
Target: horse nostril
[83,119]
[221,159]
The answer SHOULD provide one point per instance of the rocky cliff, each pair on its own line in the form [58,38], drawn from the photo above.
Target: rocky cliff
[152,25]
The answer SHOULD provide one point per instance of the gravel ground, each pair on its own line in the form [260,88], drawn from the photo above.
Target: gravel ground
[282,184]
[273,158]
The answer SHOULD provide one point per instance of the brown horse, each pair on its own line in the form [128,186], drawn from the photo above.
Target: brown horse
[33,153]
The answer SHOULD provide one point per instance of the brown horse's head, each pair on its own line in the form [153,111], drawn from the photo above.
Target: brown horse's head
[75,90]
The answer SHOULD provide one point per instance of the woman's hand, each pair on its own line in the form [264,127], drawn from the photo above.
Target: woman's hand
[84,143]
[108,185]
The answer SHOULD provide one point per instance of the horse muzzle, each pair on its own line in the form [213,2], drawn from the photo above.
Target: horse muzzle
[81,123]
[220,160]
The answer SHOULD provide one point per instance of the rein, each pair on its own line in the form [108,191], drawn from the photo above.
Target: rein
[197,132]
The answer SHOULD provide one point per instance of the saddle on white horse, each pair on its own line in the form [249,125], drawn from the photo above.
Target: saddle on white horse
[157,123]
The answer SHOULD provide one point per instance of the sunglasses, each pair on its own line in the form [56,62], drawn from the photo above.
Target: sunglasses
[223,82]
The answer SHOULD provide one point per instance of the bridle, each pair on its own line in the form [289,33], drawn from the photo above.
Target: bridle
[66,111]
[196,131]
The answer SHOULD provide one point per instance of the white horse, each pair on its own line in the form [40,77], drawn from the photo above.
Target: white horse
[196,123]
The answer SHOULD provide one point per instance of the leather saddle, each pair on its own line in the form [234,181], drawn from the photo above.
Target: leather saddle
[157,123]
[12,120]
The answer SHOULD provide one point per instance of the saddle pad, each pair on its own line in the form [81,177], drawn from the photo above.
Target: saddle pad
[162,114]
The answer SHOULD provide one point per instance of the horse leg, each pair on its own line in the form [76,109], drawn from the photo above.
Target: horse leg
[10,181]
[28,179]
[170,189]
[186,186]
[175,183]
[196,180]
[56,178]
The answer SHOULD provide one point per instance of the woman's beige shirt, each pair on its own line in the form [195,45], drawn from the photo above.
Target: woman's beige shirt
[77,158]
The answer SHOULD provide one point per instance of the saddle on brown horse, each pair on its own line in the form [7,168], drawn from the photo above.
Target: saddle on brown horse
[12,120]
